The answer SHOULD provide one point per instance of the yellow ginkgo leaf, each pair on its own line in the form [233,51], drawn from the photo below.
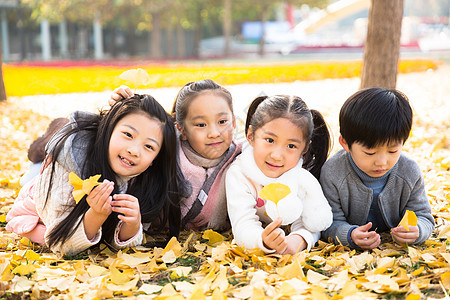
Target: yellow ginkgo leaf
[90,183]
[118,277]
[3,218]
[445,279]
[82,187]
[24,270]
[212,237]
[136,77]
[274,192]
[76,181]
[409,219]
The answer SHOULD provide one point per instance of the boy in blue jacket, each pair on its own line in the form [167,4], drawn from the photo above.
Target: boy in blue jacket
[370,184]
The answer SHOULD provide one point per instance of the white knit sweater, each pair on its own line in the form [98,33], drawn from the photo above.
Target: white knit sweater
[248,220]
[58,207]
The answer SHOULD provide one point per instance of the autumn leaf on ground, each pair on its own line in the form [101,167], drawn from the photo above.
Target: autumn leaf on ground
[136,77]
[24,269]
[409,219]
[212,237]
[82,187]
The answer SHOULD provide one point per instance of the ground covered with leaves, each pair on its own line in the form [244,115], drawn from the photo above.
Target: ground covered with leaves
[207,265]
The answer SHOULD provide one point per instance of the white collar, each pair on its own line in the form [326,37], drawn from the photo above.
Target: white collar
[251,170]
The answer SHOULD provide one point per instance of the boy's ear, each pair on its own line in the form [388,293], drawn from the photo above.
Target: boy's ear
[250,136]
[183,136]
[343,143]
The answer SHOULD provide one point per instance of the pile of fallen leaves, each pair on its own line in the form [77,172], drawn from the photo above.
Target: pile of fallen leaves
[207,265]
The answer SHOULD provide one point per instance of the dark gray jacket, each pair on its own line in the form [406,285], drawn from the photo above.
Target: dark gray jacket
[350,199]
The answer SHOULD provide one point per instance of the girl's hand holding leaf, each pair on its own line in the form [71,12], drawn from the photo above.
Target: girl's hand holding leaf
[82,187]
[274,237]
[100,198]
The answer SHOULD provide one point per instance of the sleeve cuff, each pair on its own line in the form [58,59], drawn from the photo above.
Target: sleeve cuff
[311,238]
[133,241]
[349,238]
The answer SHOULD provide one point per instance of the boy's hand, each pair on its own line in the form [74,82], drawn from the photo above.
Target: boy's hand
[401,235]
[295,243]
[122,92]
[364,238]
[273,237]
[128,208]
[99,199]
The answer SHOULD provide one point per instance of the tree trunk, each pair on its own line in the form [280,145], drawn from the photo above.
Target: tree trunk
[180,41]
[20,28]
[227,26]
[156,39]
[170,37]
[98,37]
[382,48]
[2,85]
[131,41]
[198,32]
[262,40]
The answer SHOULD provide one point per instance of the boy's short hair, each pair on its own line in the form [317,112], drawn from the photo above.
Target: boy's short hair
[375,116]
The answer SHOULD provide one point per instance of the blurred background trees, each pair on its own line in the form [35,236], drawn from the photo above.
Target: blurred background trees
[127,30]
[153,28]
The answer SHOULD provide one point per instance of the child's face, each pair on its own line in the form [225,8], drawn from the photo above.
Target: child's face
[376,161]
[277,146]
[209,125]
[134,144]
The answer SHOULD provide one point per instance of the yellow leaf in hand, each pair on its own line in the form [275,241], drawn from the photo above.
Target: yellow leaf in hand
[90,183]
[409,219]
[274,192]
[82,187]
[136,77]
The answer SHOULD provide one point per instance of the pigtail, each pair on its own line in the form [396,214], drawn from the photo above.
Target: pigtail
[317,152]
[251,111]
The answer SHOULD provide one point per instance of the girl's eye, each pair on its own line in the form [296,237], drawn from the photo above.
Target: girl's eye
[127,134]
[150,147]
[269,140]
[201,125]
[292,146]
[221,122]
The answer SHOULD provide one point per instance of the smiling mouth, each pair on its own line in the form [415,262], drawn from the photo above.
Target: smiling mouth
[215,144]
[273,167]
[126,161]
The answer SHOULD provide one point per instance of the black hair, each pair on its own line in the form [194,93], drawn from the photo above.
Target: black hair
[264,109]
[190,91]
[375,116]
[158,188]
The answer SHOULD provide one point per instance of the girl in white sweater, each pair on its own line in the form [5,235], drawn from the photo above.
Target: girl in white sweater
[288,144]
